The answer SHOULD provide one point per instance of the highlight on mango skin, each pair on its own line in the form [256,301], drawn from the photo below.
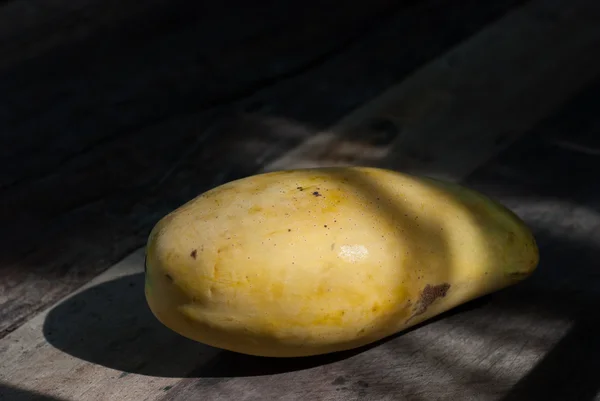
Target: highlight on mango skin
[312,261]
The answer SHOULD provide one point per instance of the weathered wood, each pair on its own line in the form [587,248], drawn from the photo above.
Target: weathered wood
[29,28]
[8,393]
[549,179]
[102,342]
[448,117]
[101,137]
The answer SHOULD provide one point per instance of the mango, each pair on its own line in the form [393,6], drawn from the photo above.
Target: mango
[313,261]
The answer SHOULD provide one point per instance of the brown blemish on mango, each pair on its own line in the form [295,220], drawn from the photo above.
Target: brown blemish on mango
[428,296]
[194,254]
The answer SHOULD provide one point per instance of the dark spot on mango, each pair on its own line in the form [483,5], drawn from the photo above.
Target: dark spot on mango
[168,276]
[428,296]
[317,194]
[194,254]
[300,189]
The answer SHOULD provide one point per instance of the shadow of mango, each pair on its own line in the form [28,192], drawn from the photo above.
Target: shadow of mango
[111,325]
[9,393]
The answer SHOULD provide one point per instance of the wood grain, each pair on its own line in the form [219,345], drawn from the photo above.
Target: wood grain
[103,136]
[102,342]
[549,179]
[30,28]
[449,116]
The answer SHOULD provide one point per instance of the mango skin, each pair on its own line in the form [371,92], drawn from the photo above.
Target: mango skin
[312,261]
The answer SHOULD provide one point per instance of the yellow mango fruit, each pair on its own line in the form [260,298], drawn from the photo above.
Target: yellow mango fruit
[312,261]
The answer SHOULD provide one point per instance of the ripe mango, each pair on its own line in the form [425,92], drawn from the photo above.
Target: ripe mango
[312,261]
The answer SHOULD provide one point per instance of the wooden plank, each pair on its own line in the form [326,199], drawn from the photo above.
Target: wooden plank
[29,28]
[93,153]
[550,180]
[8,393]
[87,84]
[69,378]
[461,108]
[102,343]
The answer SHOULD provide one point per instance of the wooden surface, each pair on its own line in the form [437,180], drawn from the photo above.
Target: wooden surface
[502,98]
